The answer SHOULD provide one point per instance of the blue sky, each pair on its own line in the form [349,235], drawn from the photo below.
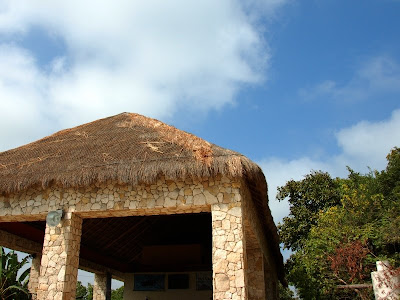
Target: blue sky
[294,85]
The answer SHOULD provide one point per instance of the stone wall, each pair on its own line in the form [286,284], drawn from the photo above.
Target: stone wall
[228,251]
[260,261]
[100,287]
[60,259]
[113,200]
[34,276]
[225,198]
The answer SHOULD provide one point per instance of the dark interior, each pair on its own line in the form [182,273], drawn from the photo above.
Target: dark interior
[167,243]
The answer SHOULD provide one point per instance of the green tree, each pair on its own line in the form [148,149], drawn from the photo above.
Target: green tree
[90,292]
[84,293]
[350,227]
[117,294]
[13,283]
[81,291]
[285,293]
[307,197]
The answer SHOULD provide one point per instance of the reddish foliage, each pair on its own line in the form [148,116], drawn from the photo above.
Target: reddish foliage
[349,258]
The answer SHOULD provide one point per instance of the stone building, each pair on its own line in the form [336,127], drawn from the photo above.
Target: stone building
[164,211]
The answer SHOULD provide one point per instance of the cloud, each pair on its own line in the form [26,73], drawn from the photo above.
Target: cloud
[363,145]
[277,171]
[377,75]
[368,143]
[21,97]
[151,57]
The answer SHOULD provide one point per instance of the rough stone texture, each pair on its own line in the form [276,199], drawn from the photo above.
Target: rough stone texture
[256,246]
[254,263]
[228,251]
[60,259]
[100,287]
[235,227]
[255,272]
[34,276]
[271,283]
[111,199]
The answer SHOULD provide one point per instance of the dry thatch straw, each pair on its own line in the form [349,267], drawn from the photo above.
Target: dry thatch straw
[128,148]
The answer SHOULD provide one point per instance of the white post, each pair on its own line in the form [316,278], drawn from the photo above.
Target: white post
[386,285]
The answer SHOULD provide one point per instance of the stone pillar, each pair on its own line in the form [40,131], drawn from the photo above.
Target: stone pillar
[228,252]
[102,286]
[385,282]
[34,276]
[255,274]
[60,259]
[271,283]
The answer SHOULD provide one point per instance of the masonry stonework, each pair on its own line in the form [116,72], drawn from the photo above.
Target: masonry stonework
[220,195]
[100,286]
[34,276]
[129,165]
[111,199]
[60,259]
[255,272]
[228,251]
[259,259]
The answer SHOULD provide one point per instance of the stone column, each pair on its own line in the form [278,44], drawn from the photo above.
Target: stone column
[228,252]
[271,283]
[102,286]
[60,259]
[386,284]
[255,273]
[34,276]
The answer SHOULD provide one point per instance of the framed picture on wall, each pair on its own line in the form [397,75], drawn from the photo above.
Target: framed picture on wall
[149,282]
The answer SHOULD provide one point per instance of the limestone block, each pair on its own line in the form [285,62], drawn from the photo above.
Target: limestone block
[221,282]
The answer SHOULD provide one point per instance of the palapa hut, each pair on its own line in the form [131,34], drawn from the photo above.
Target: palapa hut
[164,211]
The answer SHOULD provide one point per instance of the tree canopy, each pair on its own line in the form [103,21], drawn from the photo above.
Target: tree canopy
[339,227]
[13,282]
[86,293]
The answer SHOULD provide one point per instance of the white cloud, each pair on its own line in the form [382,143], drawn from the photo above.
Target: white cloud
[368,142]
[363,145]
[20,97]
[278,171]
[380,74]
[150,57]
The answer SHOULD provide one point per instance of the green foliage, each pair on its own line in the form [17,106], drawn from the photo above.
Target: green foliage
[307,197]
[285,293]
[81,291]
[349,228]
[86,293]
[12,284]
[117,294]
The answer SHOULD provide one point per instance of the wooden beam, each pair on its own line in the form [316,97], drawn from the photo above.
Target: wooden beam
[355,286]
[18,243]
[108,286]
[128,231]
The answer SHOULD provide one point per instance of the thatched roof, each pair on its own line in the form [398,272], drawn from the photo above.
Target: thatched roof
[128,148]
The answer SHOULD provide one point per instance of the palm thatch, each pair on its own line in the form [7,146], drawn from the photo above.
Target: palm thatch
[128,148]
